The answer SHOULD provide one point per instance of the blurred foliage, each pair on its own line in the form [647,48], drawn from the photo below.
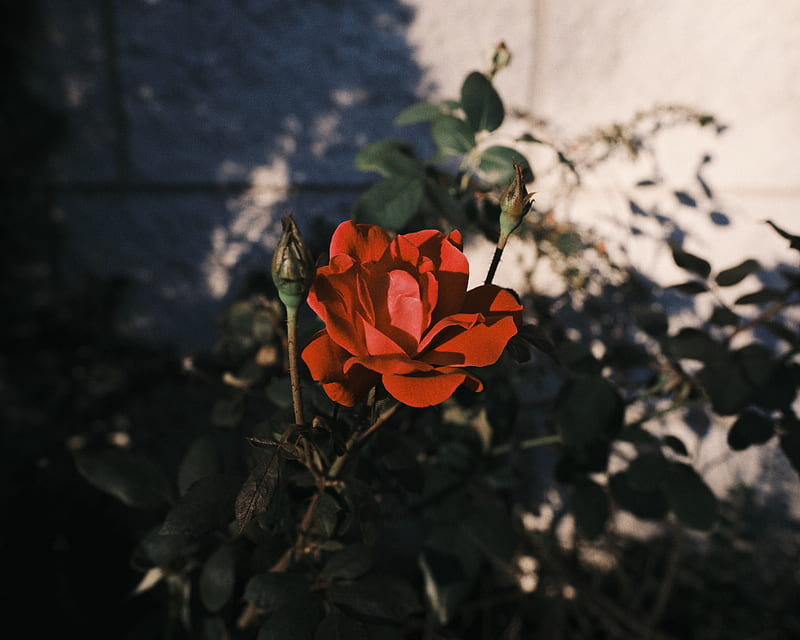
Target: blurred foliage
[493,515]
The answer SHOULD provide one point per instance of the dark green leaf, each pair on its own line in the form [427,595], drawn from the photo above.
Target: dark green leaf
[218,577]
[590,507]
[750,428]
[691,262]
[790,443]
[724,317]
[725,385]
[647,505]
[444,580]
[274,590]
[490,529]
[495,165]
[695,344]
[296,620]
[207,505]
[689,497]
[201,460]
[376,597]
[767,294]
[481,103]
[569,243]
[228,411]
[588,408]
[531,336]
[442,202]
[259,488]
[691,287]
[390,158]
[130,477]
[337,626]
[420,112]
[156,550]
[646,472]
[326,516]
[347,564]
[734,275]
[452,135]
[652,321]
[390,203]
[527,137]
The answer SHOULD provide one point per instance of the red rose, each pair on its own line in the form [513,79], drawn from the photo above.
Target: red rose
[397,311]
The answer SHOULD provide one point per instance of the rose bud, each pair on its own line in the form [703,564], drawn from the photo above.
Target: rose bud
[514,204]
[292,267]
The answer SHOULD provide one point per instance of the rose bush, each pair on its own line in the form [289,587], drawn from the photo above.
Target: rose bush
[397,311]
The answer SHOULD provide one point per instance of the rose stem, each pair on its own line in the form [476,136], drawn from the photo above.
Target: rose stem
[498,252]
[294,374]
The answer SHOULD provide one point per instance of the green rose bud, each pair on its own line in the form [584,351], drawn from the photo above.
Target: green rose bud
[514,204]
[292,267]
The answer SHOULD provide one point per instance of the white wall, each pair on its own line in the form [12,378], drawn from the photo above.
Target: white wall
[168,100]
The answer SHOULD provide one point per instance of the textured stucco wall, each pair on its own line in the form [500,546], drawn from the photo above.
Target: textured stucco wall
[194,125]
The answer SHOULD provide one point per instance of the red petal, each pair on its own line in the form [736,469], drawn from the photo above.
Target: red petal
[325,360]
[489,299]
[478,346]
[428,389]
[364,242]
[389,364]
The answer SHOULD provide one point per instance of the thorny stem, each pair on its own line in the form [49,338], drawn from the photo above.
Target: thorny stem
[250,612]
[294,374]
[526,444]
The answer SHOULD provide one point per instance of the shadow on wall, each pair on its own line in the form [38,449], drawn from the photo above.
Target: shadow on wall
[195,127]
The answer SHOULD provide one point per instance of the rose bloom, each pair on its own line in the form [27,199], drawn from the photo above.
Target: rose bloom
[397,311]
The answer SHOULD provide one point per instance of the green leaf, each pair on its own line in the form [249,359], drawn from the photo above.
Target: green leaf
[695,344]
[347,564]
[647,505]
[481,103]
[258,489]
[294,621]
[725,385]
[734,275]
[652,321]
[724,317]
[495,165]
[590,507]
[390,203]
[337,626]
[419,112]
[751,427]
[130,477]
[440,572]
[588,408]
[390,158]
[763,296]
[689,497]
[691,287]
[452,135]
[691,262]
[326,515]
[201,460]
[207,505]
[218,577]
[646,472]
[273,590]
[376,597]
